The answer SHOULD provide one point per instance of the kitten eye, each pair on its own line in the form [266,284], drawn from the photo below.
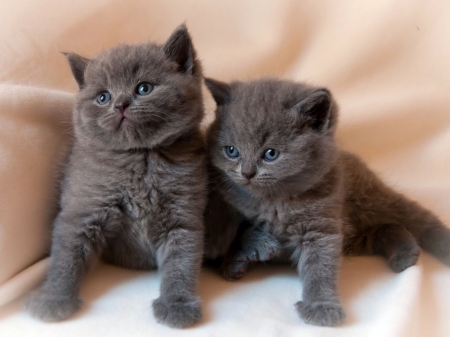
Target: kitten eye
[103,98]
[144,89]
[271,155]
[231,151]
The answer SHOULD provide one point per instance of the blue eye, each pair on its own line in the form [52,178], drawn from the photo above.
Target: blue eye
[103,98]
[271,155]
[144,89]
[231,151]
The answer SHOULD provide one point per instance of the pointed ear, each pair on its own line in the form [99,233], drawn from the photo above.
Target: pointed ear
[219,90]
[315,109]
[78,65]
[179,48]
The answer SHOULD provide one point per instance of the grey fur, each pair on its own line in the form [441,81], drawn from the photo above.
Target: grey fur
[134,189]
[252,244]
[314,199]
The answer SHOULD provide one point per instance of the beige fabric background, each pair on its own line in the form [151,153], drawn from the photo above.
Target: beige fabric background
[387,63]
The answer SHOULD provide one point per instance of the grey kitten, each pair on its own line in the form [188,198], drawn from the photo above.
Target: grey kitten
[272,145]
[135,189]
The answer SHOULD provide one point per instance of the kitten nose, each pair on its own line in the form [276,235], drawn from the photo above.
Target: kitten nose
[248,171]
[121,104]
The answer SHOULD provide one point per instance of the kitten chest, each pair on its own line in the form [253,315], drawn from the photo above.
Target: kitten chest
[145,194]
[268,215]
[274,216]
[157,189]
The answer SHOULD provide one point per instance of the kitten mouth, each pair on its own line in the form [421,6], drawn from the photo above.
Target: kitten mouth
[124,120]
[250,185]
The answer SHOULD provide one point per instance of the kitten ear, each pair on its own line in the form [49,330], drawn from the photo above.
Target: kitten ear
[316,109]
[219,90]
[179,48]
[78,65]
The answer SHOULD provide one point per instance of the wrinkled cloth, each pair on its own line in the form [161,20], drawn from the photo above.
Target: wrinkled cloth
[387,64]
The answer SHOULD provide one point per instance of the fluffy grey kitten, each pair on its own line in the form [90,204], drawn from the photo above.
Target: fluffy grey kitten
[276,162]
[135,189]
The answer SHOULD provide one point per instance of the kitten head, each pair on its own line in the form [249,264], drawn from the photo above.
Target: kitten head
[138,96]
[272,137]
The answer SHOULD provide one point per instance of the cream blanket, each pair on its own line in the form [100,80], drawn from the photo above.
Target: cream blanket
[387,63]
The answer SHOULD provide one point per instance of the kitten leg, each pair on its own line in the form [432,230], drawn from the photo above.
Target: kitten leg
[73,248]
[431,234]
[252,245]
[396,244]
[371,203]
[318,256]
[179,259]
[436,240]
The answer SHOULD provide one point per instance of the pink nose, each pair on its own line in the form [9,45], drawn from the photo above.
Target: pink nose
[248,171]
[122,105]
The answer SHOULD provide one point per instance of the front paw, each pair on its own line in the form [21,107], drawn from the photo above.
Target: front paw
[265,248]
[234,269]
[321,313]
[52,308]
[262,248]
[177,312]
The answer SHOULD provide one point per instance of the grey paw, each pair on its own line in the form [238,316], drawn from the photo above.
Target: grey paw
[51,308]
[266,249]
[404,258]
[177,312]
[234,269]
[321,313]
[257,246]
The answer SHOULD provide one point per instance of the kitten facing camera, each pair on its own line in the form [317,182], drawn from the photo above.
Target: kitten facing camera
[275,162]
[135,186]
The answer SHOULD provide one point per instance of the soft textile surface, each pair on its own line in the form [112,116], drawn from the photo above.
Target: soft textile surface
[387,63]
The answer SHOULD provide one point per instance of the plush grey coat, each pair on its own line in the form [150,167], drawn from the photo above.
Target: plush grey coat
[275,164]
[134,189]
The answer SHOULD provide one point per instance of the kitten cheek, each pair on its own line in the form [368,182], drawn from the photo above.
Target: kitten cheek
[86,122]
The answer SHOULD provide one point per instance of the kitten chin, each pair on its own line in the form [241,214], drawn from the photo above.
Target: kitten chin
[321,202]
[135,186]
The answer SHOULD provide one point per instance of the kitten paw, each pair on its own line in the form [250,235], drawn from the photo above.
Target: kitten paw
[321,313]
[177,312]
[262,246]
[51,308]
[234,269]
[404,258]
[267,248]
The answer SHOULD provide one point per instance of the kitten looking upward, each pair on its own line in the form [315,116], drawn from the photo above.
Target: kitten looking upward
[276,162]
[134,189]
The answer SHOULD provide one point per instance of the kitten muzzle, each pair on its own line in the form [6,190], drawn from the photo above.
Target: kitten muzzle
[121,103]
[248,171]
